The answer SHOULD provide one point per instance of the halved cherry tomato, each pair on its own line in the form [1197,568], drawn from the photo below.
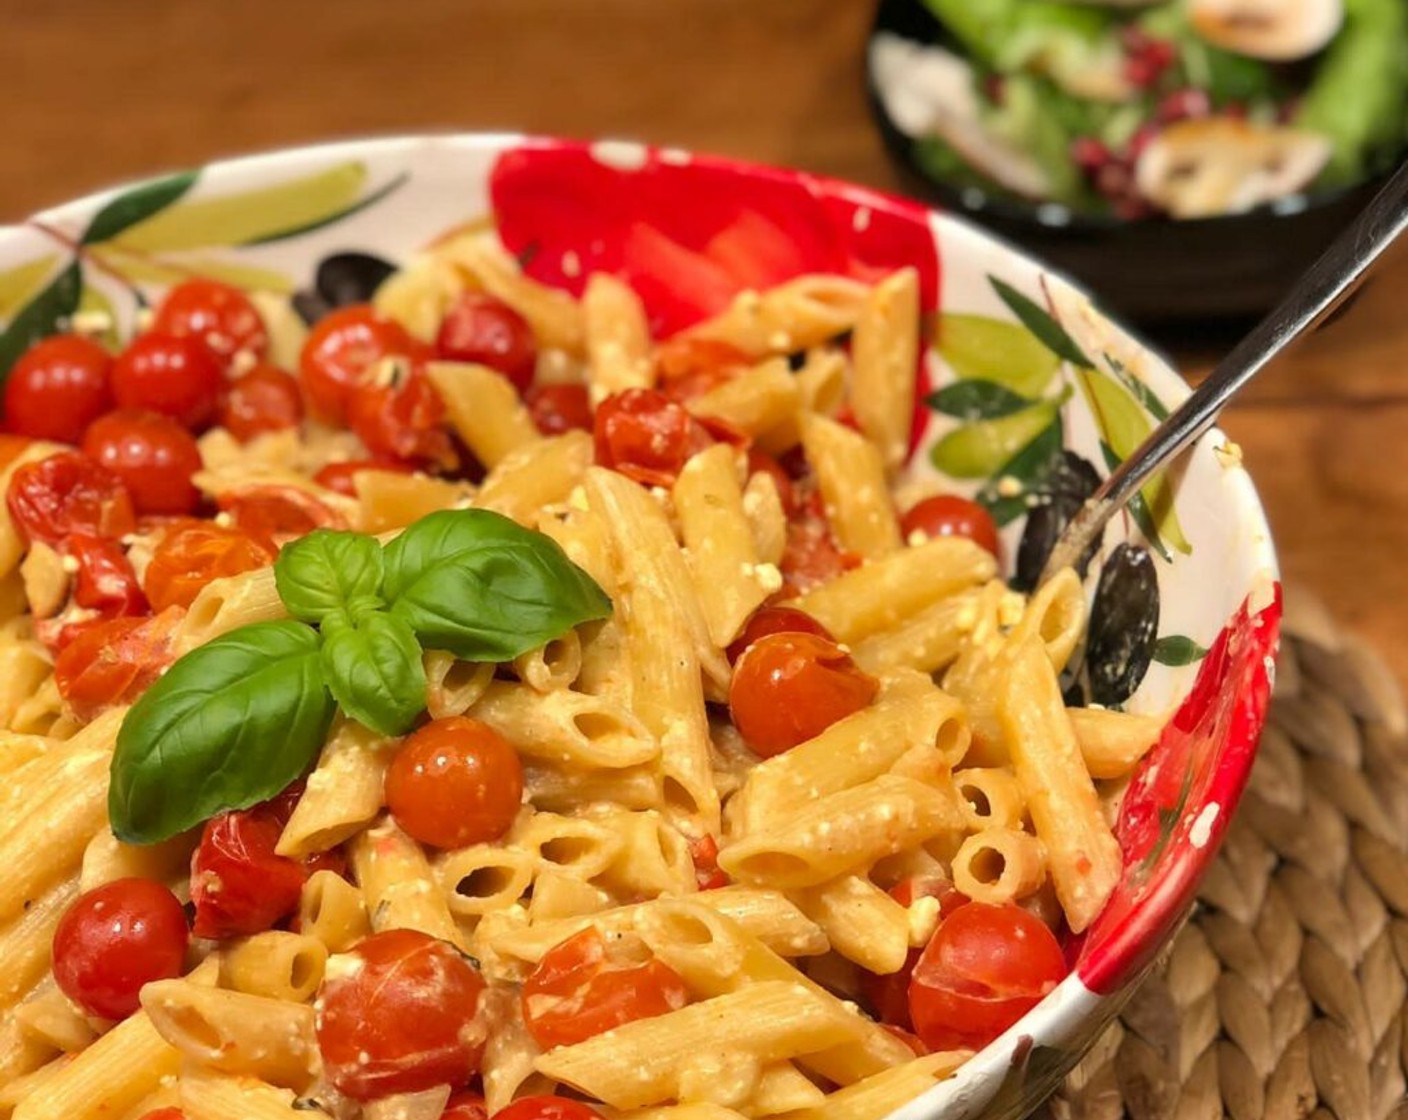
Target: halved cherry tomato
[266,399]
[220,317]
[811,555]
[788,688]
[340,350]
[239,886]
[152,454]
[114,662]
[69,493]
[105,581]
[455,782]
[403,421]
[57,388]
[341,478]
[465,1106]
[577,991]
[401,1018]
[191,555]
[479,328]
[690,367]
[775,620]
[173,375]
[114,939]
[888,995]
[275,515]
[547,1108]
[646,436]
[761,461]
[705,854]
[947,515]
[984,969]
[559,408]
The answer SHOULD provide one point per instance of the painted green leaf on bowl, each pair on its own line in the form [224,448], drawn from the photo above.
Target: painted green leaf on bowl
[136,206]
[41,316]
[979,449]
[980,348]
[20,284]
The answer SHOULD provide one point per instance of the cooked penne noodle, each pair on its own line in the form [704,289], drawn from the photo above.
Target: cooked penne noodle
[762,400]
[1055,615]
[551,666]
[928,641]
[343,794]
[398,886]
[51,1017]
[564,727]
[1112,743]
[333,911]
[851,476]
[885,352]
[999,865]
[767,520]
[992,797]
[217,1096]
[535,476]
[485,877]
[863,923]
[797,315]
[277,965]
[393,499]
[618,338]
[453,686]
[225,604]
[554,316]
[484,409]
[26,940]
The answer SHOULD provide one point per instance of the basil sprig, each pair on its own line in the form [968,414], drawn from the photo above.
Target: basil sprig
[236,720]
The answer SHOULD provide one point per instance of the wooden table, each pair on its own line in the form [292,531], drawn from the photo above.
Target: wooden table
[101,91]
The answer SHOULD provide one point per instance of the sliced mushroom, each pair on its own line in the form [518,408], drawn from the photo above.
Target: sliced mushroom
[1223,165]
[928,91]
[1275,30]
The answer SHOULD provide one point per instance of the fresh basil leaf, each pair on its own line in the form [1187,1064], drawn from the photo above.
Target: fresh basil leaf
[976,400]
[136,205]
[230,724]
[486,589]
[1041,323]
[328,571]
[1177,650]
[373,668]
[40,316]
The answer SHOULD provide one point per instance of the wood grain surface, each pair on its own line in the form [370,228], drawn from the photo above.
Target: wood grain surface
[101,91]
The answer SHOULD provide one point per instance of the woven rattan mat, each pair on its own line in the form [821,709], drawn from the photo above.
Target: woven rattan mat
[1284,996]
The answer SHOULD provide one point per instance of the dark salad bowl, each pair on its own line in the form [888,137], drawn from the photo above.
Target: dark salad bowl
[1153,270]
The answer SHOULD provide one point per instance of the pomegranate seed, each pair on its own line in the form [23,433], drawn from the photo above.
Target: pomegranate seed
[1089,154]
[1183,104]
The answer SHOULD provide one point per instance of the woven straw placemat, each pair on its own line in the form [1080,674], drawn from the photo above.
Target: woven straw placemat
[1283,997]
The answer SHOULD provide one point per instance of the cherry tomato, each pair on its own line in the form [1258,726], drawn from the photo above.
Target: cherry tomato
[705,854]
[455,782]
[761,461]
[175,376]
[105,581]
[775,620]
[811,555]
[984,969]
[340,350]
[69,493]
[888,995]
[547,1108]
[788,688]
[690,367]
[405,421]
[114,662]
[479,328]
[152,454]
[114,939]
[57,388]
[275,515]
[646,436]
[216,315]
[559,408]
[947,515]
[465,1106]
[238,884]
[266,399]
[190,556]
[341,478]
[404,1018]
[577,992]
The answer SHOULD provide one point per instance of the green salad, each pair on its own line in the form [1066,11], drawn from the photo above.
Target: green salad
[1189,108]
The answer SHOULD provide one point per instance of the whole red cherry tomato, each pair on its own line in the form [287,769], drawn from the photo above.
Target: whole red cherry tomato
[577,991]
[238,884]
[559,408]
[404,1018]
[547,1108]
[191,555]
[465,1106]
[114,662]
[479,328]
[170,374]
[705,854]
[404,421]
[947,515]
[69,493]
[691,367]
[152,454]
[341,478]
[983,969]
[775,620]
[342,348]
[114,939]
[455,782]
[275,515]
[266,399]
[888,995]
[57,388]
[788,688]
[646,436]
[220,317]
[105,581]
